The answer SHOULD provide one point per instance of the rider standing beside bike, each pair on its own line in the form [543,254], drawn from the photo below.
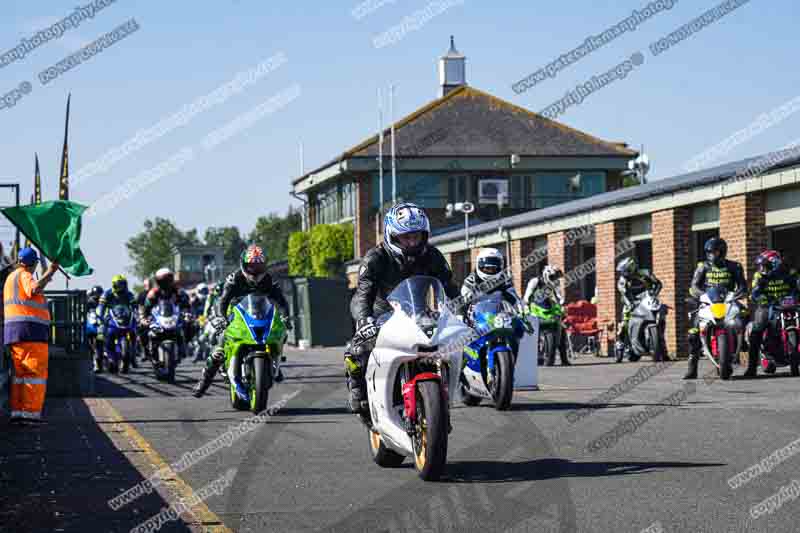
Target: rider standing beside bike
[118,294]
[632,283]
[92,301]
[403,253]
[141,325]
[772,282]
[251,278]
[715,271]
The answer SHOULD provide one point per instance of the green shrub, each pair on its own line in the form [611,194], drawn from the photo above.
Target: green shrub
[300,254]
[331,246]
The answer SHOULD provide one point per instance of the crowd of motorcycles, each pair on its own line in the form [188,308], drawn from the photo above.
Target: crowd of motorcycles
[425,355]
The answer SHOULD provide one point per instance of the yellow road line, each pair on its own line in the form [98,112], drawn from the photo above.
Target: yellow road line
[210,522]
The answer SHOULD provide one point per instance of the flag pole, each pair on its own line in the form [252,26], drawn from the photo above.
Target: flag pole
[394,168]
[380,152]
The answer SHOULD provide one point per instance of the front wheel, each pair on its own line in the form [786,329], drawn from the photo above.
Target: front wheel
[794,357]
[124,354]
[503,386]
[547,346]
[382,455]
[430,439]
[259,394]
[725,356]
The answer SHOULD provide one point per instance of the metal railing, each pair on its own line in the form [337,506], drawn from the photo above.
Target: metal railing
[67,319]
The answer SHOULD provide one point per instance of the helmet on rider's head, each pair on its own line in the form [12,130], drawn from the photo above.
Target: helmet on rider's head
[768,262]
[254,263]
[119,284]
[715,249]
[490,264]
[627,267]
[551,275]
[96,291]
[406,231]
[165,279]
[201,290]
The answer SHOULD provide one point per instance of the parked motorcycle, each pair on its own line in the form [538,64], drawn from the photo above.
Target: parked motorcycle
[552,335]
[489,360]
[720,328]
[165,335]
[779,347]
[254,342]
[416,361]
[120,329]
[646,329]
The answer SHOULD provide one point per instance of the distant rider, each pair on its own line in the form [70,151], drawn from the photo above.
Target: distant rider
[772,282]
[92,301]
[490,276]
[632,284]
[548,286]
[166,289]
[251,278]
[118,294]
[715,271]
[141,328]
[404,253]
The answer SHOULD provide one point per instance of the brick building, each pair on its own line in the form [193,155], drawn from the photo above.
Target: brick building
[466,145]
[752,204]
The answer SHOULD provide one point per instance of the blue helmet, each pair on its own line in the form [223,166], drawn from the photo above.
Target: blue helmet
[403,219]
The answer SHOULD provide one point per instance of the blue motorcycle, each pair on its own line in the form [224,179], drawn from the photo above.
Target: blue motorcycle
[120,329]
[166,330]
[489,360]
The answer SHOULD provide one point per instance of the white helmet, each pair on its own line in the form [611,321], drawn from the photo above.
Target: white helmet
[551,275]
[490,264]
[403,219]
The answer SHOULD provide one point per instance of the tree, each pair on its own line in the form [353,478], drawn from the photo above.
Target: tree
[154,247]
[299,251]
[272,233]
[227,238]
[331,247]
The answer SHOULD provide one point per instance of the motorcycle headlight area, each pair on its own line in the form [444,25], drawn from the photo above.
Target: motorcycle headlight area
[719,310]
[168,322]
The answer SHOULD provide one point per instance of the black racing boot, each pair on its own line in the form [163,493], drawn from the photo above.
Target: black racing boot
[694,359]
[211,369]
[752,360]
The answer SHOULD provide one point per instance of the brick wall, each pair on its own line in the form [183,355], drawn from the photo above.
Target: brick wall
[459,266]
[609,305]
[743,226]
[520,249]
[672,265]
[565,257]
[364,223]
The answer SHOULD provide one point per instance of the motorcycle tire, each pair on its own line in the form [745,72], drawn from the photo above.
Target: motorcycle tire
[794,357]
[430,448]
[236,402]
[262,372]
[124,355]
[503,381]
[725,352]
[548,347]
[382,455]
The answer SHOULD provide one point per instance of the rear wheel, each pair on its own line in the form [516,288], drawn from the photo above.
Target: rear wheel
[430,439]
[503,386]
[382,455]
[794,357]
[725,356]
[262,383]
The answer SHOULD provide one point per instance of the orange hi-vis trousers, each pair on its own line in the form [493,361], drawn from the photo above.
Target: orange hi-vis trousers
[29,384]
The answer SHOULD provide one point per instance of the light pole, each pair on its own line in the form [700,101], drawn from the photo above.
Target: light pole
[462,207]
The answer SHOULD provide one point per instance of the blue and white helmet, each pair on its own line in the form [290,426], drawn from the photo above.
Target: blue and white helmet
[403,219]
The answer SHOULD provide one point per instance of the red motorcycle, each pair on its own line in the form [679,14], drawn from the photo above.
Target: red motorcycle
[779,347]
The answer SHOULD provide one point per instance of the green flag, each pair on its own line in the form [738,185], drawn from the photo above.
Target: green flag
[55,229]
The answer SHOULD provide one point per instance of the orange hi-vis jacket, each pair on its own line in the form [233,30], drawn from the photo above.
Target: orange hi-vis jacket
[27,317]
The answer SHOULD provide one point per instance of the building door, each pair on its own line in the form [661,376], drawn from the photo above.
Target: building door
[786,240]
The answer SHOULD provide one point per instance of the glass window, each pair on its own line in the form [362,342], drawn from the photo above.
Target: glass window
[552,188]
[426,190]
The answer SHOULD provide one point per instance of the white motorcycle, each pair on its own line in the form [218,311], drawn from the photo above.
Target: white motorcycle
[719,317]
[415,364]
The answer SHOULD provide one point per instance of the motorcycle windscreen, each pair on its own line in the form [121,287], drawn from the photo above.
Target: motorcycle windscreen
[258,312]
[486,308]
[122,315]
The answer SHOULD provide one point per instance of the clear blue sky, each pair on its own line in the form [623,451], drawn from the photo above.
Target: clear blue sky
[676,104]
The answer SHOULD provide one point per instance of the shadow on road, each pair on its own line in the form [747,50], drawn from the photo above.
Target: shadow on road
[541,469]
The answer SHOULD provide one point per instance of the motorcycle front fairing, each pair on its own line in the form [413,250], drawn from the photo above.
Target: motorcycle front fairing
[402,339]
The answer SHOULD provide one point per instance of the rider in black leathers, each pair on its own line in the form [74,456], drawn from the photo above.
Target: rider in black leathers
[403,253]
[251,278]
[714,271]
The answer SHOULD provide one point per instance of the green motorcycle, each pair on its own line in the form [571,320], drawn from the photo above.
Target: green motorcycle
[254,342]
[551,329]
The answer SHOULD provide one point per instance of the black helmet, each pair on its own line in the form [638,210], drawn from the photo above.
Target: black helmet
[96,291]
[715,249]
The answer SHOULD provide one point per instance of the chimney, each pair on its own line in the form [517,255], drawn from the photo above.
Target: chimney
[452,70]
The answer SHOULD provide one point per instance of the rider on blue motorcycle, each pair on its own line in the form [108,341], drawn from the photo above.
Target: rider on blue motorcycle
[491,276]
[404,253]
[118,294]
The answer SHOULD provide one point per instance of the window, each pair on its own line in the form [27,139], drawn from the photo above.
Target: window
[347,195]
[551,188]
[426,190]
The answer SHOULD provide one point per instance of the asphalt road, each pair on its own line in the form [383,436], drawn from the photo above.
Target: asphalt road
[308,467]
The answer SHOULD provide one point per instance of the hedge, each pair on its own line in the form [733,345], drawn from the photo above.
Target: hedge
[322,252]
